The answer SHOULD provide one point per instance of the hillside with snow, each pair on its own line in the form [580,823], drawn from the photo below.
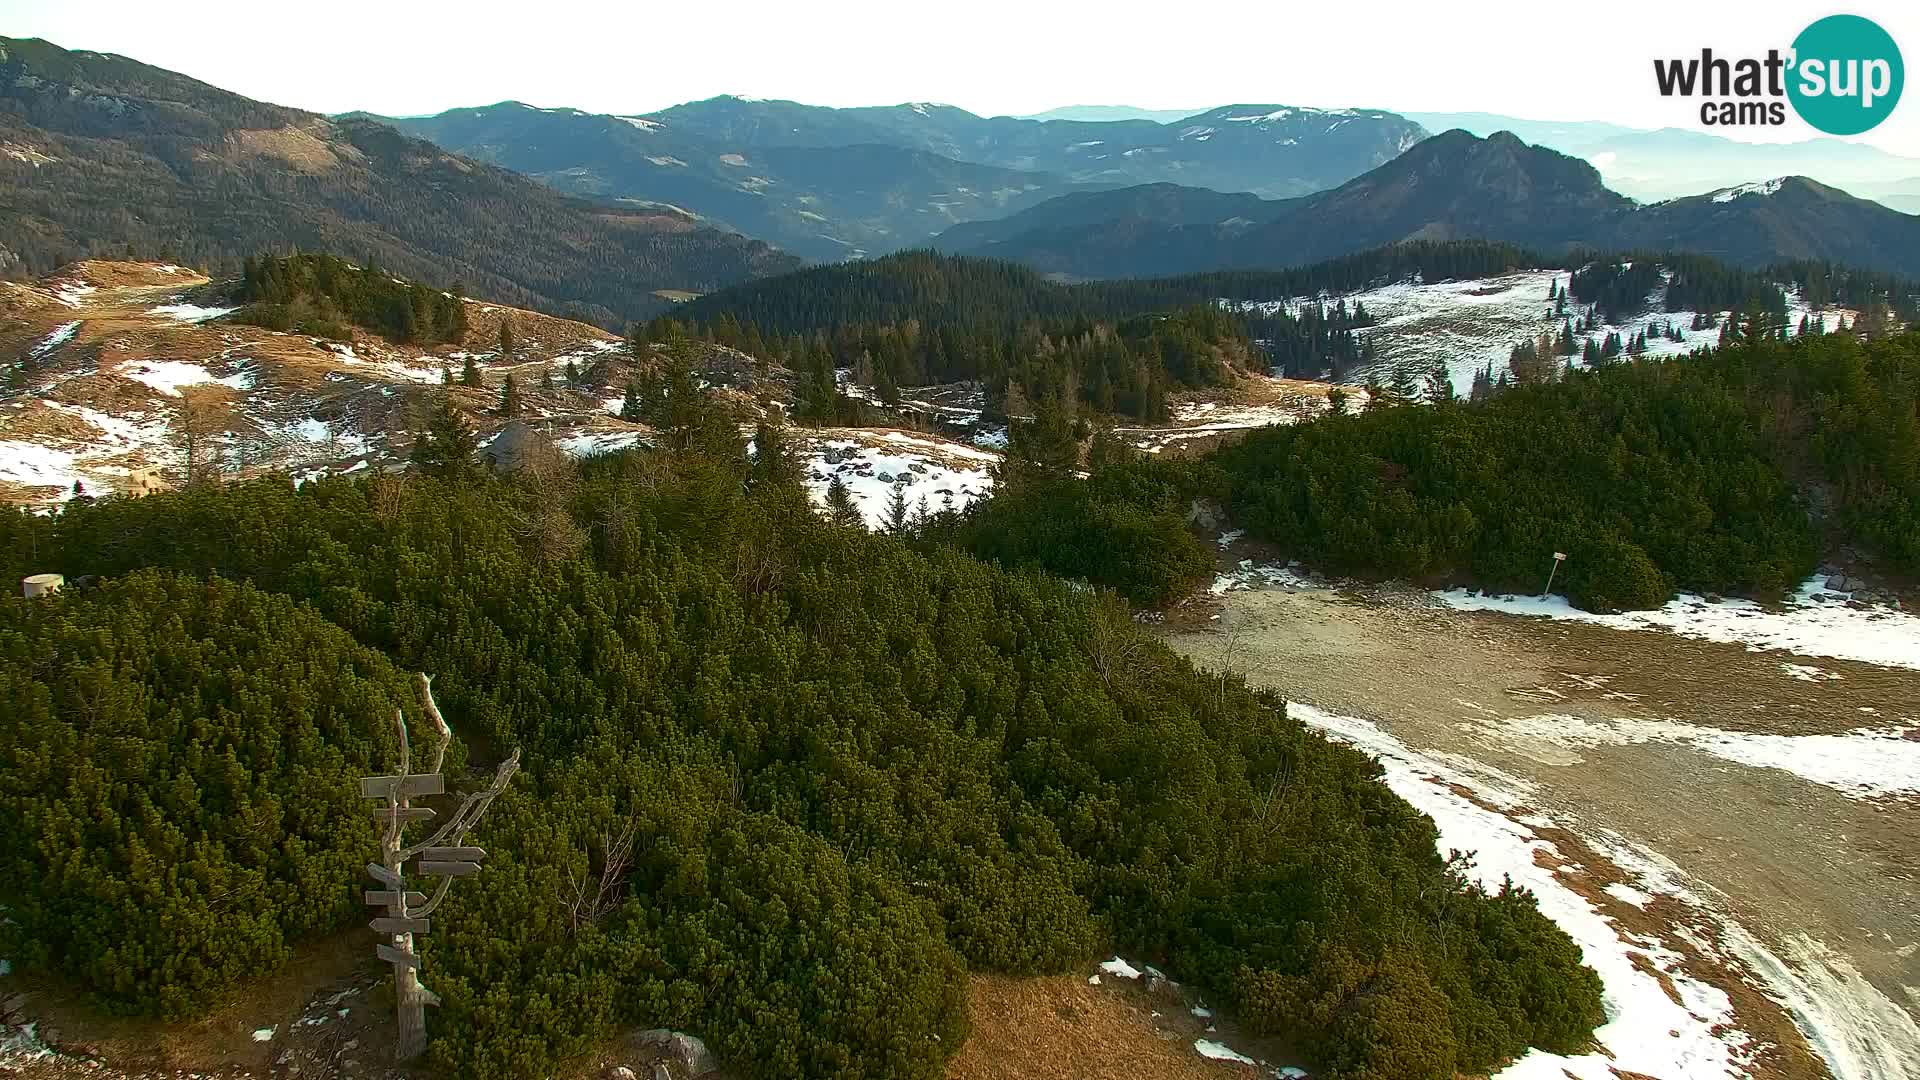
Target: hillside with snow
[1472,325]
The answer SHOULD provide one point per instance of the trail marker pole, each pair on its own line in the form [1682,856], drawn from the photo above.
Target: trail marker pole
[1558,558]
[404,913]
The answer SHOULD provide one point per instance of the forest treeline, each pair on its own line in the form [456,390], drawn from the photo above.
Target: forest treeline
[1700,472]
[786,782]
[328,296]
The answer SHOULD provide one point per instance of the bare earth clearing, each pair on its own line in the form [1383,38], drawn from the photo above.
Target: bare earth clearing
[1696,852]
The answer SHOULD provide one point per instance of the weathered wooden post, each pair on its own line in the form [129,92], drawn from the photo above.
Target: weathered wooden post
[440,856]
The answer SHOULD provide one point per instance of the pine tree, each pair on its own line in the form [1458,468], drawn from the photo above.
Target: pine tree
[1440,384]
[774,464]
[573,372]
[632,409]
[508,337]
[509,398]
[447,444]
[470,373]
[840,506]
[899,520]
[446,375]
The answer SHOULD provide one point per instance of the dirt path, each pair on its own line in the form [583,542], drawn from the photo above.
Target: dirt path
[1828,882]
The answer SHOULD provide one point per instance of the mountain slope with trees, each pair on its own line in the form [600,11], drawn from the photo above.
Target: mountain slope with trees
[116,156]
[1452,186]
[784,782]
[822,202]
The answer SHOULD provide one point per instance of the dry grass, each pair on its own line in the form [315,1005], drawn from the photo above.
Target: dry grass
[297,148]
[1061,1028]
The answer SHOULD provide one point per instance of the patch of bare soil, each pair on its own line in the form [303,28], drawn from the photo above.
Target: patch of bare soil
[1062,1028]
[322,1016]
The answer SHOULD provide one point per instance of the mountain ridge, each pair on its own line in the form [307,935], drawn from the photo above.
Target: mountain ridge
[103,153]
[1454,186]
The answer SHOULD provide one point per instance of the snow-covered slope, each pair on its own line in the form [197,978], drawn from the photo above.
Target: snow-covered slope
[106,360]
[1474,323]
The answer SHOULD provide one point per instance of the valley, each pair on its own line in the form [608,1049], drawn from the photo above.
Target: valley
[920,594]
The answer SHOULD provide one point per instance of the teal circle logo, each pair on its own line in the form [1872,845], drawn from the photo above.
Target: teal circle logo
[1847,75]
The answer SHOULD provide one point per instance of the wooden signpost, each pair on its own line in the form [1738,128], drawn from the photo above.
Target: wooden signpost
[1558,558]
[403,912]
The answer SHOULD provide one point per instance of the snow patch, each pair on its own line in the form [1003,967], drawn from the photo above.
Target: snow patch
[191,313]
[168,376]
[1207,1048]
[1764,187]
[60,336]
[1813,622]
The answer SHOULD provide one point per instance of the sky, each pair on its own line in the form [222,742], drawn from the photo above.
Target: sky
[1535,59]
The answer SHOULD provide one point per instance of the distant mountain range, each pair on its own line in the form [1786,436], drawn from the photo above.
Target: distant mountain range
[1452,186]
[1103,113]
[100,155]
[833,183]
[1675,162]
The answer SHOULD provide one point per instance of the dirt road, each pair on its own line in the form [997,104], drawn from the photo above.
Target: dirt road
[1650,740]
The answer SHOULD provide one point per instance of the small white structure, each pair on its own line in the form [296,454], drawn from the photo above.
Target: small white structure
[40,585]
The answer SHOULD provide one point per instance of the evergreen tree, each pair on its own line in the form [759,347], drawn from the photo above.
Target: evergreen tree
[446,445]
[509,338]
[470,373]
[899,519]
[840,506]
[774,463]
[633,408]
[509,398]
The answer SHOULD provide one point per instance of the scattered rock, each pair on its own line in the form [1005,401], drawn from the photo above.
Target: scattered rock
[621,1072]
[1205,513]
[678,1046]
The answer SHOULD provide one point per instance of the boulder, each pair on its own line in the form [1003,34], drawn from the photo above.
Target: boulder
[686,1049]
[621,1072]
[1837,583]
[1205,513]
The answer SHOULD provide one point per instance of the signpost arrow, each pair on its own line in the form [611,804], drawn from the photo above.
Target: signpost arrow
[385,876]
[448,869]
[393,898]
[395,956]
[400,926]
[405,813]
[401,787]
[453,854]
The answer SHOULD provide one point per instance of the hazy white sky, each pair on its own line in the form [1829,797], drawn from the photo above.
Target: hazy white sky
[1532,58]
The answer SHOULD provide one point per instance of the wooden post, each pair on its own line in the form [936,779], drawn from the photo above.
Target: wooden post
[1558,558]
[404,913]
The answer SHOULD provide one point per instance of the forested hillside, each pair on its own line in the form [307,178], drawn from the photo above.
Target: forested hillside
[114,157]
[1700,472]
[822,774]
[324,296]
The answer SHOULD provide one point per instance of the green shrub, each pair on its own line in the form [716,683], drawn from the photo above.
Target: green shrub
[179,797]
